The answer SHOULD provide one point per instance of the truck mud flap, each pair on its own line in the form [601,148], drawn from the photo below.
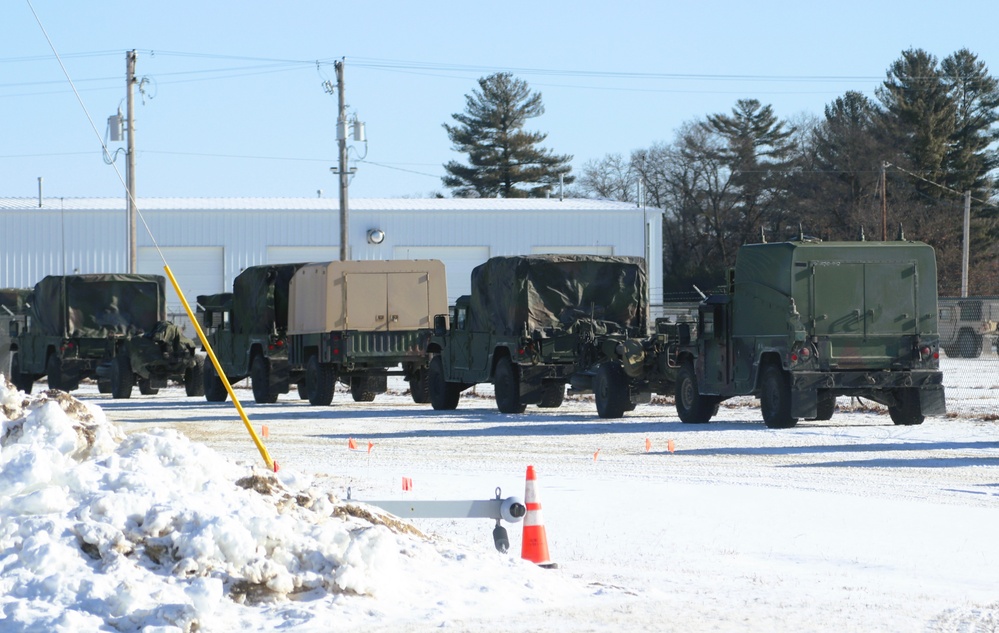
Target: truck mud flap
[931,400]
[804,404]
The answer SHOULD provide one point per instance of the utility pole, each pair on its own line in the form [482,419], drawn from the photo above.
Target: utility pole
[965,246]
[130,165]
[341,137]
[884,202]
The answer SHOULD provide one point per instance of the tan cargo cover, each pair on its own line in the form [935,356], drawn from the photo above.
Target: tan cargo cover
[370,296]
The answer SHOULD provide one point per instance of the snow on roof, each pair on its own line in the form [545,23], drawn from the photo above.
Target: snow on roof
[356,204]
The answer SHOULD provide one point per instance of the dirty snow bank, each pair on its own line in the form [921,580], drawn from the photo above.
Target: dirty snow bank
[99,531]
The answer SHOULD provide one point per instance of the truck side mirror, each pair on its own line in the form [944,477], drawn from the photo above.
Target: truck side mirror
[440,325]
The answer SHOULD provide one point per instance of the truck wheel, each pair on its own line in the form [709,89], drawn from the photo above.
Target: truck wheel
[552,395]
[419,387]
[122,378]
[775,399]
[363,388]
[969,344]
[260,380]
[214,389]
[825,407]
[303,390]
[103,386]
[691,406]
[320,381]
[22,382]
[194,378]
[444,395]
[53,368]
[146,387]
[610,388]
[907,412]
[507,385]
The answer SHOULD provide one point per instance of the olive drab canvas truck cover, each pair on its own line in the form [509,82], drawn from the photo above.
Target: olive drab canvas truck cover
[358,321]
[111,327]
[260,298]
[547,293]
[96,306]
[247,329]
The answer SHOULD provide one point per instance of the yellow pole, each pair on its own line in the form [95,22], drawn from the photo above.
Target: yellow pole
[271,464]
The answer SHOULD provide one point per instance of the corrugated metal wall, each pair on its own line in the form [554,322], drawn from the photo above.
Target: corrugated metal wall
[90,235]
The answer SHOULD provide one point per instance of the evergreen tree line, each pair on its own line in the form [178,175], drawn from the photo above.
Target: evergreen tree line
[901,160]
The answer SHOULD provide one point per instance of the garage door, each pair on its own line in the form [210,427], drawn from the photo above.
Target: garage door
[458,262]
[199,270]
[302,254]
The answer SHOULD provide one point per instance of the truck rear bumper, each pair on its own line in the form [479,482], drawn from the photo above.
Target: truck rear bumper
[879,386]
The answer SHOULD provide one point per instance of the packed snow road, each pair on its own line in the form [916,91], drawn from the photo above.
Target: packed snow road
[849,524]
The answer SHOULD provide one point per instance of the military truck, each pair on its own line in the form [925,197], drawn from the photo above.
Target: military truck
[13,304]
[107,327]
[966,323]
[803,322]
[248,331]
[358,322]
[534,323]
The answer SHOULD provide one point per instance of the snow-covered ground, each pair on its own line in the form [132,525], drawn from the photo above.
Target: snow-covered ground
[157,514]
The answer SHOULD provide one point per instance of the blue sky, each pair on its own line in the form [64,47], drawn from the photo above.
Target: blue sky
[234,103]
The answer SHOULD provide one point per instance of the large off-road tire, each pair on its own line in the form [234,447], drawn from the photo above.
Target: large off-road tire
[320,381]
[969,344]
[146,387]
[22,382]
[552,395]
[506,381]
[610,390]
[260,380]
[419,386]
[775,398]
[691,406]
[122,378]
[303,389]
[825,406]
[363,388]
[444,395]
[103,386]
[194,378]
[907,412]
[215,391]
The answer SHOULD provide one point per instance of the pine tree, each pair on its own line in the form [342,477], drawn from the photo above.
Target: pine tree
[504,159]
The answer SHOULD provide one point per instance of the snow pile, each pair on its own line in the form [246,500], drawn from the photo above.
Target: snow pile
[99,530]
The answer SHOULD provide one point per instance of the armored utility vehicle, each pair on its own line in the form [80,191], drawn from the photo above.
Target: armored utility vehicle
[803,322]
[966,323]
[248,331]
[534,323]
[108,327]
[358,322]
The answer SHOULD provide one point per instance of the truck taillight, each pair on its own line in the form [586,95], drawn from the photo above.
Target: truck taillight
[926,353]
[276,345]
[802,354]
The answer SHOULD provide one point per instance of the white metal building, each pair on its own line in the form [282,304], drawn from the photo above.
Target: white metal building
[208,241]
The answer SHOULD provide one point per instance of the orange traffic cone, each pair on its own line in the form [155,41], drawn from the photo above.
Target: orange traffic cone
[535,543]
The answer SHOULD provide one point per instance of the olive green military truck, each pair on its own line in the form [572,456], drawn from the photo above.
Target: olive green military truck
[358,322]
[107,327]
[534,323]
[248,331]
[966,324]
[803,322]
[13,304]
